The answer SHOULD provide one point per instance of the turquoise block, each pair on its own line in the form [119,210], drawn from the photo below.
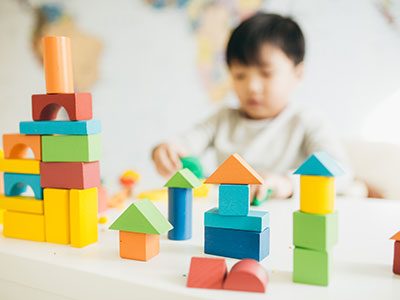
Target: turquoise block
[16,184]
[234,199]
[254,221]
[320,164]
[60,127]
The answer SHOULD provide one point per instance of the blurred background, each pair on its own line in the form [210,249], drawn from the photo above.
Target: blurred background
[157,67]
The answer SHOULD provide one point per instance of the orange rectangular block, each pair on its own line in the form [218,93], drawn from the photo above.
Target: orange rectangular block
[138,246]
[16,146]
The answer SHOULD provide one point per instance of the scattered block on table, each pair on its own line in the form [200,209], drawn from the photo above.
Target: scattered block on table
[236,243]
[71,148]
[15,184]
[22,166]
[16,146]
[78,106]
[396,255]
[235,170]
[56,215]
[138,246]
[22,204]
[207,273]
[255,221]
[315,232]
[70,175]
[317,194]
[234,199]
[247,275]
[184,179]
[60,127]
[24,226]
[320,164]
[83,217]
[311,266]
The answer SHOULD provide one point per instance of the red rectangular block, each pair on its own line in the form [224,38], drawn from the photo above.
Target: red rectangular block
[70,175]
[396,259]
[77,105]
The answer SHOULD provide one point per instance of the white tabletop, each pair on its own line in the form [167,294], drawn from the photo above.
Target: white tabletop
[362,261]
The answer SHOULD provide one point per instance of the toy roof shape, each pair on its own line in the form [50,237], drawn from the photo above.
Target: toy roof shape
[235,170]
[183,179]
[320,164]
[143,217]
[396,237]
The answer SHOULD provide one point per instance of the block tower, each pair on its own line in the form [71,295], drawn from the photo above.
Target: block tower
[315,225]
[64,173]
[232,230]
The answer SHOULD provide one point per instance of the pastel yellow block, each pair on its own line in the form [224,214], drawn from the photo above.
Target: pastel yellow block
[83,216]
[2,215]
[24,166]
[24,226]
[317,194]
[22,204]
[56,215]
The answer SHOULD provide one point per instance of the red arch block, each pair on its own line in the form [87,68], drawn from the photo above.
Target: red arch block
[16,146]
[47,106]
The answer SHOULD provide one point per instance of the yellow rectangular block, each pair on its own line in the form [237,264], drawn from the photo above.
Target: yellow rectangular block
[56,215]
[317,194]
[24,226]
[22,204]
[2,215]
[24,166]
[83,216]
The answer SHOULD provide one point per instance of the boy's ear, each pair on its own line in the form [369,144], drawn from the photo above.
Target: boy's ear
[299,70]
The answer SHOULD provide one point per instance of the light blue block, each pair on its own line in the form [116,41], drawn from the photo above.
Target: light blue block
[234,199]
[180,202]
[16,184]
[60,127]
[320,164]
[255,221]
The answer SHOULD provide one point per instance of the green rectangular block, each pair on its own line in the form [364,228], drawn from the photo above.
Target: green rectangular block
[316,232]
[71,148]
[311,267]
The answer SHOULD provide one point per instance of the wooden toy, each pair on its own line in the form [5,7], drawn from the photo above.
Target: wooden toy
[16,184]
[236,243]
[60,127]
[258,202]
[180,198]
[22,204]
[22,166]
[139,228]
[77,105]
[24,226]
[254,221]
[317,194]
[57,215]
[57,63]
[103,197]
[17,145]
[247,275]
[127,181]
[71,148]
[320,164]
[193,164]
[315,232]
[234,199]
[311,266]
[72,175]
[396,256]
[207,273]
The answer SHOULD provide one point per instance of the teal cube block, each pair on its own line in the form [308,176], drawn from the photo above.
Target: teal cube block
[234,199]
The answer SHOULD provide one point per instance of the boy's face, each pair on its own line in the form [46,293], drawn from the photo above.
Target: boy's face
[264,90]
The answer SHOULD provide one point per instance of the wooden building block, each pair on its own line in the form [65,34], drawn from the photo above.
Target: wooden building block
[60,127]
[247,275]
[180,202]
[22,166]
[315,232]
[17,146]
[71,148]
[2,211]
[317,194]
[236,243]
[311,267]
[396,258]
[15,184]
[103,196]
[83,217]
[234,199]
[24,226]
[56,215]
[22,204]
[207,273]
[57,63]
[70,175]
[78,106]
[138,246]
[320,164]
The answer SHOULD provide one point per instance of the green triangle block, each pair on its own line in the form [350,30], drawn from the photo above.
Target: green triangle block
[183,179]
[143,217]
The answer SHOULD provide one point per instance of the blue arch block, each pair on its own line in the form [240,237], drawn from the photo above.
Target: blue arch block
[180,213]
[16,184]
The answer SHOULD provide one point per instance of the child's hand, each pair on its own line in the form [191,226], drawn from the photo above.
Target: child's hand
[281,187]
[166,159]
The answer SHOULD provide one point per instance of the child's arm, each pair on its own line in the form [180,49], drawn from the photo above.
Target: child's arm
[280,186]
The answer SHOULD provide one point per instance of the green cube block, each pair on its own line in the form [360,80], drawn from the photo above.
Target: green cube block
[316,232]
[311,267]
[71,148]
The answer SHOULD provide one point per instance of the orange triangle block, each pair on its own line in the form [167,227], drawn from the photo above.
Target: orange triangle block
[235,170]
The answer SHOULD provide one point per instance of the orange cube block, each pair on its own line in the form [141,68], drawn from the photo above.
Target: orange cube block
[138,246]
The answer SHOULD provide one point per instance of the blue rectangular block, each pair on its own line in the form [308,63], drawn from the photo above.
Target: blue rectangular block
[254,221]
[180,213]
[60,127]
[234,199]
[236,243]
[16,184]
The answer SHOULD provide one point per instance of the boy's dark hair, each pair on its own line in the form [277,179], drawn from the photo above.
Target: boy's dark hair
[246,40]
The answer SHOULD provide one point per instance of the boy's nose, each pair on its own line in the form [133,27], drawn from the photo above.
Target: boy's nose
[255,85]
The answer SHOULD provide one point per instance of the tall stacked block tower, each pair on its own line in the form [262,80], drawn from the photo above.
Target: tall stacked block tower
[64,173]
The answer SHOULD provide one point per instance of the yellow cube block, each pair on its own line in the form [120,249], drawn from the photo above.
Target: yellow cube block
[22,204]
[317,194]
[24,226]
[56,215]
[83,216]
[24,166]
[2,215]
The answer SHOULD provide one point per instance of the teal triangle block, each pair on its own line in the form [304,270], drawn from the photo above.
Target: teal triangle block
[183,179]
[320,164]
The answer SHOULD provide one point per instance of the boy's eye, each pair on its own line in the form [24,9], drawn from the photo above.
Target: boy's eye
[239,76]
[265,73]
